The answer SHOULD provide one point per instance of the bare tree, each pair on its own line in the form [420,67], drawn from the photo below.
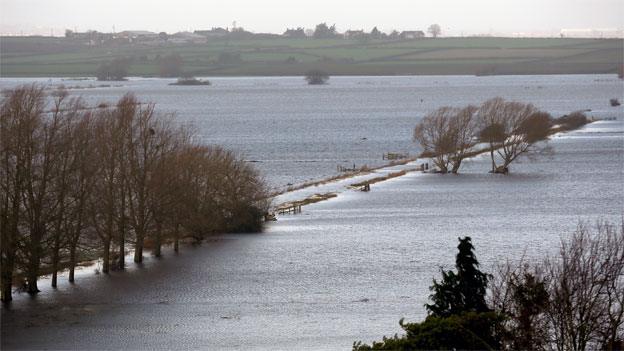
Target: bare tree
[434,30]
[434,135]
[72,111]
[42,154]
[446,135]
[162,195]
[76,180]
[463,125]
[143,151]
[104,197]
[572,301]
[20,118]
[519,292]
[86,166]
[586,284]
[511,129]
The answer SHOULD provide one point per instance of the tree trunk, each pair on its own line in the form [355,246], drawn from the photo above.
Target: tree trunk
[8,234]
[176,240]
[32,268]
[8,259]
[158,240]
[72,262]
[55,258]
[138,248]
[122,251]
[106,256]
[33,274]
[122,233]
[456,166]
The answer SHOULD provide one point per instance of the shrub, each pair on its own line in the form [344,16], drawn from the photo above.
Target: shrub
[458,317]
[467,331]
[316,77]
[115,70]
[572,121]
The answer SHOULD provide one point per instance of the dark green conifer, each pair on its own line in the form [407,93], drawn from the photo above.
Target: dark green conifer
[461,291]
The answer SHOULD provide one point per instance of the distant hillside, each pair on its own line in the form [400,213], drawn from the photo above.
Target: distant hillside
[41,56]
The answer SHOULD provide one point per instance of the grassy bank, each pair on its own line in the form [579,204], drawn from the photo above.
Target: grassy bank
[41,56]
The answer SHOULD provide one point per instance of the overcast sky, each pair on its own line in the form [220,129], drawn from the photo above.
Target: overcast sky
[455,16]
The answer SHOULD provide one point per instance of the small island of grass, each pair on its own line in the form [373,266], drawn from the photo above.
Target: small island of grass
[191,81]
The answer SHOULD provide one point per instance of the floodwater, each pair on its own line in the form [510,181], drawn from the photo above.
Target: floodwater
[349,268]
[294,132]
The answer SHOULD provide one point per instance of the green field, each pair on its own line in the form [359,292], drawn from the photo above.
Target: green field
[41,56]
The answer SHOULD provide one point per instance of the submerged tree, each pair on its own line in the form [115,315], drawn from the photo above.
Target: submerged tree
[78,182]
[115,70]
[511,129]
[435,137]
[19,124]
[446,135]
[572,121]
[316,77]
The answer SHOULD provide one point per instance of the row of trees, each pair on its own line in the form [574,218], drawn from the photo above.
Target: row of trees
[80,183]
[573,300]
[509,129]
[323,31]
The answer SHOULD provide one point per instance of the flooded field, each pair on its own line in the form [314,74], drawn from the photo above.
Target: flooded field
[348,268]
[295,133]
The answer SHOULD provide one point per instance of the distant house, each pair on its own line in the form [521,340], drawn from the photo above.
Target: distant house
[186,37]
[215,32]
[355,34]
[90,37]
[294,33]
[592,33]
[412,34]
[137,35]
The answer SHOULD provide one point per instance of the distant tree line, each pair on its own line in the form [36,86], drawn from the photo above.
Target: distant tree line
[572,300]
[79,183]
[324,31]
[509,129]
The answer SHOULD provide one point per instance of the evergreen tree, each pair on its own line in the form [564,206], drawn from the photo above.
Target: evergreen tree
[375,33]
[461,291]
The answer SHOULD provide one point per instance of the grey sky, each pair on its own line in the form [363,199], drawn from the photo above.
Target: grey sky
[455,16]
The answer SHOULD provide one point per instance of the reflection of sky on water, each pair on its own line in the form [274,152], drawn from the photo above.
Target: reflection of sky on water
[345,269]
[298,132]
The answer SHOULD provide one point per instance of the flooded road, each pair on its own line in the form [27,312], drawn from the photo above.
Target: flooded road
[346,269]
